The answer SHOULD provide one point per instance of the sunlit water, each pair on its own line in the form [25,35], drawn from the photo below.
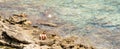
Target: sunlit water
[96,14]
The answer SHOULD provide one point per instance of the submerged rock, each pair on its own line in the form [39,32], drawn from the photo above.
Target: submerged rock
[45,23]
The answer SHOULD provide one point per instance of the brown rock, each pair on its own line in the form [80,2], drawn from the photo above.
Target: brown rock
[70,46]
[47,42]
[82,48]
[56,47]
[76,47]
[45,47]
[0,18]
[32,46]
[20,15]
[27,23]
[21,37]
[23,15]
[47,23]
[17,33]
[29,35]
[18,19]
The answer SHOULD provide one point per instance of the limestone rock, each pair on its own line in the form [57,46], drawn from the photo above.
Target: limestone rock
[32,46]
[82,48]
[57,47]
[46,42]
[17,33]
[22,37]
[18,19]
[45,47]
[20,15]
[27,37]
[27,23]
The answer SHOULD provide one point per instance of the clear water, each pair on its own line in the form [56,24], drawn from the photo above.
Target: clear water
[78,12]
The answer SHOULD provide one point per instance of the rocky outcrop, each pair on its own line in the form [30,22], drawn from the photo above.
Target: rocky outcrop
[47,23]
[17,32]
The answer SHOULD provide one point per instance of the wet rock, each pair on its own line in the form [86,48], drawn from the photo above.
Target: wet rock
[46,23]
[20,15]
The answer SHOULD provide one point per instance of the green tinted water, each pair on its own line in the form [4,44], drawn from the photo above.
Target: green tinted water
[80,12]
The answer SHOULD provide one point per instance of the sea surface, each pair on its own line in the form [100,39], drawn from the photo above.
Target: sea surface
[99,20]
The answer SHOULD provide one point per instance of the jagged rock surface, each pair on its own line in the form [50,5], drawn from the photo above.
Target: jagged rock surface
[17,32]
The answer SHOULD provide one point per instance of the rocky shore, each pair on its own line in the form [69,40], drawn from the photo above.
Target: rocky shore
[16,32]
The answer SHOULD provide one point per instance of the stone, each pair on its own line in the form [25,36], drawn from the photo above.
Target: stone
[27,23]
[47,42]
[0,18]
[76,47]
[32,46]
[56,47]
[47,23]
[17,33]
[27,37]
[82,48]
[18,19]
[45,47]
[22,37]
[20,15]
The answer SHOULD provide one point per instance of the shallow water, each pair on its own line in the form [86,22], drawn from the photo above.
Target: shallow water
[96,19]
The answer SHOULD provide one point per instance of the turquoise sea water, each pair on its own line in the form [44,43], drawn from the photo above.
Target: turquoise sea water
[78,12]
